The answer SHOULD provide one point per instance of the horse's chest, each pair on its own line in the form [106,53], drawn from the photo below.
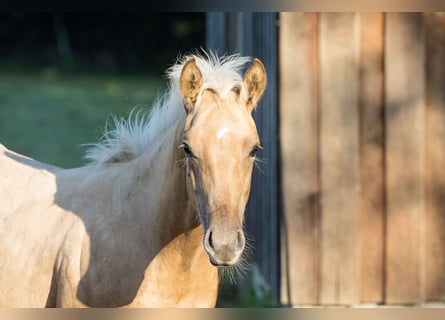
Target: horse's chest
[174,282]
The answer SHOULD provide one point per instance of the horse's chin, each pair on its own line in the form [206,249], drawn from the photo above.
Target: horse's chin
[219,264]
[224,263]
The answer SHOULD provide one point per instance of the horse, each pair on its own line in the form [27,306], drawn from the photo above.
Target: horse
[156,212]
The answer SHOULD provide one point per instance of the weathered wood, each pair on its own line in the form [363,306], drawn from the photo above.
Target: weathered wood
[215,30]
[435,161]
[339,151]
[362,147]
[405,156]
[371,220]
[265,182]
[299,158]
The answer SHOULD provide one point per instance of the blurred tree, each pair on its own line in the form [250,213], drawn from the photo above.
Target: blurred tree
[63,41]
[93,41]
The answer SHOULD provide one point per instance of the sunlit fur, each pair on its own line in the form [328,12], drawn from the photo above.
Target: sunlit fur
[127,138]
[123,230]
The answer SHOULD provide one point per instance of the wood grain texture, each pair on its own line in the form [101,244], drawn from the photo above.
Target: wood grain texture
[405,156]
[434,275]
[299,158]
[357,184]
[371,220]
[339,152]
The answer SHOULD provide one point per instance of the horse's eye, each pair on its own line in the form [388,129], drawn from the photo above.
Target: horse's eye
[187,150]
[255,150]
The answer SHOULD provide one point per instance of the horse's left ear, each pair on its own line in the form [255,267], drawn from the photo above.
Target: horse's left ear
[190,83]
[255,80]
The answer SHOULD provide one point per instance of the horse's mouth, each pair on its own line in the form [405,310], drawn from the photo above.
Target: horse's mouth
[225,260]
[222,264]
[219,264]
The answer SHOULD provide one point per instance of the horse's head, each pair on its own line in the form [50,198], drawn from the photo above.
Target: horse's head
[220,141]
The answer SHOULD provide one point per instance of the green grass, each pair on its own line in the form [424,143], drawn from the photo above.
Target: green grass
[48,116]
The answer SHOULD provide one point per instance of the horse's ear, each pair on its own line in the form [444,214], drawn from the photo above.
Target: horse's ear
[190,83]
[255,80]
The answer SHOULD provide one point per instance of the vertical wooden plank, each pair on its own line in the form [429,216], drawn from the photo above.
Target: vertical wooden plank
[215,30]
[225,32]
[265,186]
[405,156]
[371,158]
[435,161]
[340,178]
[299,158]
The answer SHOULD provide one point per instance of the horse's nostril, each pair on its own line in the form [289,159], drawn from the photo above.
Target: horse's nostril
[224,248]
[210,240]
[240,241]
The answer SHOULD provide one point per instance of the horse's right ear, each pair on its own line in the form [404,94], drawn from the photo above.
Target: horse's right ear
[190,83]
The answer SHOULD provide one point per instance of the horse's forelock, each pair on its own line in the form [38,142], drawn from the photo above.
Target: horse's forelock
[213,67]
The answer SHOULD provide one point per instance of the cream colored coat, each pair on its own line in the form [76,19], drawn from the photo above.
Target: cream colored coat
[139,227]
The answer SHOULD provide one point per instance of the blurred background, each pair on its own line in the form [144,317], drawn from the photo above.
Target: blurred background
[63,74]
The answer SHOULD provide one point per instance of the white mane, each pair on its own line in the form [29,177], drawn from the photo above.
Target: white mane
[130,137]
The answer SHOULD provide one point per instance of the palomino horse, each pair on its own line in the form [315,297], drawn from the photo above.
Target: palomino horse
[156,213]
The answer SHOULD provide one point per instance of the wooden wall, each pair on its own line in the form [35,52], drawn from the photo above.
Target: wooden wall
[362,149]
[349,206]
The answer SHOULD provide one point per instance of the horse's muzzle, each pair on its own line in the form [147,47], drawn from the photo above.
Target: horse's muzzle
[224,246]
